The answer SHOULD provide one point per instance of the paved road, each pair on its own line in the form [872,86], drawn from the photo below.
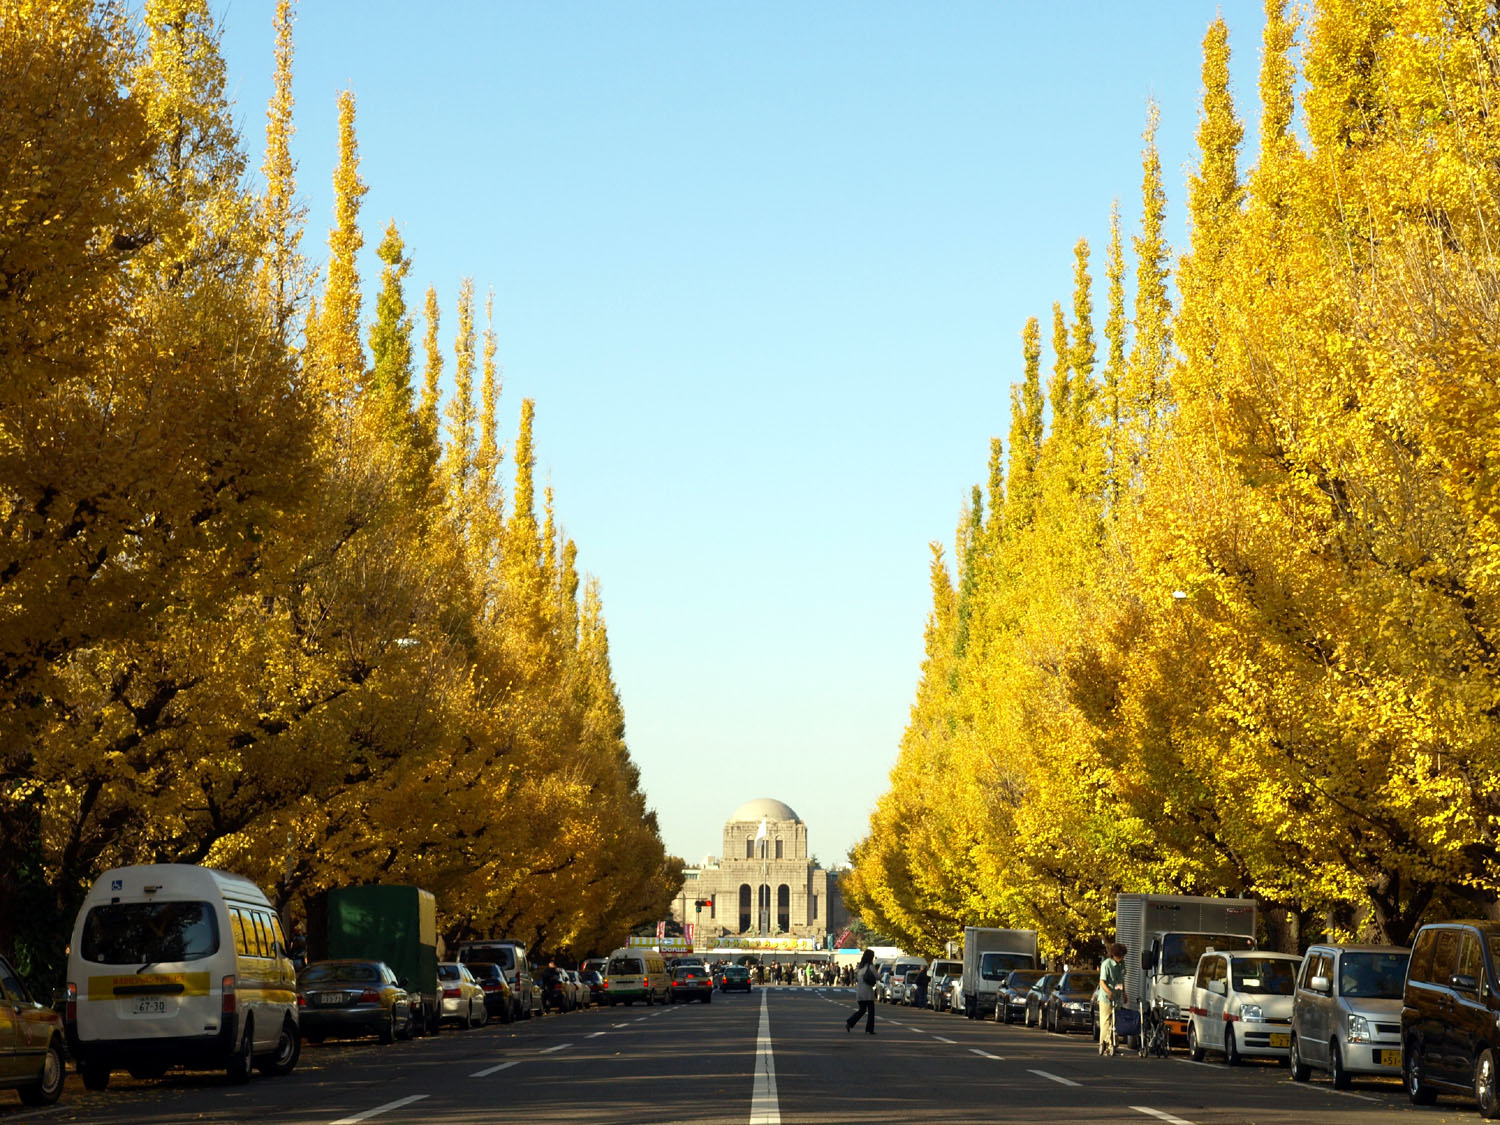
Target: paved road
[775,1056]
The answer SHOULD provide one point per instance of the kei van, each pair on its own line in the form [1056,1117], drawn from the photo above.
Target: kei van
[636,974]
[177,965]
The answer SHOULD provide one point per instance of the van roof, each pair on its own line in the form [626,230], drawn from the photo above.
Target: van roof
[174,880]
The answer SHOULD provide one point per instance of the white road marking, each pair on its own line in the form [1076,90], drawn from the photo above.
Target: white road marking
[641,1019]
[622,1024]
[985,1054]
[1160,1116]
[950,1042]
[764,1108]
[1059,1079]
[595,1034]
[369,1113]
[494,1069]
[559,1047]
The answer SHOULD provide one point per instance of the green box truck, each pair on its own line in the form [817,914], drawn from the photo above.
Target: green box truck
[394,924]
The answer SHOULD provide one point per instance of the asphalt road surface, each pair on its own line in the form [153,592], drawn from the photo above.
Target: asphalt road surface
[778,1055]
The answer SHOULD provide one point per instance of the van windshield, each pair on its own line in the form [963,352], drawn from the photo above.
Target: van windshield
[1264,976]
[996,966]
[146,933]
[1373,975]
[1180,952]
[625,967]
[502,955]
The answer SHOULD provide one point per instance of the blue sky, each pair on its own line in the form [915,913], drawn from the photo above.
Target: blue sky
[764,269]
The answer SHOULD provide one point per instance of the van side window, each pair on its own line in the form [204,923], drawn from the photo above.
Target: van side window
[281,946]
[260,947]
[1445,956]
[237,922]
[1312,966]
[1421,956]
[1470,963]
[1220,970]
[1205,973]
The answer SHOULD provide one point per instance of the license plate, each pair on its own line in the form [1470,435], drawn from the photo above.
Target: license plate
[329,999]
[1281,1039]
[1388,1058]
[147,1006]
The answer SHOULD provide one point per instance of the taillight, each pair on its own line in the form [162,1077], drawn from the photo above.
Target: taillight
[227,992]
[70,1010]
[369,996]
[452,993]
[645,982]
[301,1000]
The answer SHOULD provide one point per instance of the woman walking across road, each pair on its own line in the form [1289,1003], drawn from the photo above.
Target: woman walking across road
[864,991]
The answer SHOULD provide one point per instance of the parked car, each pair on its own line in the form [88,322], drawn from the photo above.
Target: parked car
[734,978]
[1242,1005]
[1346,1013]
[692,982]
[903,977]
[499,997]
[1010,999]
[1450,1014]
[579,990]
[348,999]
[32,1042]
[1070,1005]
[941,972]
[594,982]
[953,999]
[512,958]
[1036,998]
[594,965]
[463,999]
[883,984]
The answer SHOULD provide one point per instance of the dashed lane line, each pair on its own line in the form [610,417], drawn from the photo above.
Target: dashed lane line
[355,1119]
[1161,1115]
[950,1042]
[1059,1079]
[495,1069]
[551,1050]
[986,1054]
[595,1034]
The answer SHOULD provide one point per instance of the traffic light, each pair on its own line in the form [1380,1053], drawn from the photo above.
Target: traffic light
[700,904]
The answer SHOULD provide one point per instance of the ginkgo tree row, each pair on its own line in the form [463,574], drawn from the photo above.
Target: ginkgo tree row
[264,602]
[1226,617]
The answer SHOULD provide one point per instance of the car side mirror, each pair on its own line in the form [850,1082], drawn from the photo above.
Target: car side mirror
[1148,959]
[1320,984]
[402,982]
[1464,983]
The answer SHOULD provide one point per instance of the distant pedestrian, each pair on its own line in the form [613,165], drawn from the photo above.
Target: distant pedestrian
[1111,995]
[864,992]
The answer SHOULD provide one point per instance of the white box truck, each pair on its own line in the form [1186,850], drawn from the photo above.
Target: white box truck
[989,956]
[1164,935]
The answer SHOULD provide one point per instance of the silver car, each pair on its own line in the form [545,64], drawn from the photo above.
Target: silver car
[1346,1017]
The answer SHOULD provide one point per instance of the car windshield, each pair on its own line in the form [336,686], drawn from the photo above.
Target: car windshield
[1373,975]
[692,972]
[994,966]
[1022,979]
[1180,952]
[448,972]
[354,974]
[1264,976]
[502,955]
[946,969]
[146,933]
[1079,982]
[485,970]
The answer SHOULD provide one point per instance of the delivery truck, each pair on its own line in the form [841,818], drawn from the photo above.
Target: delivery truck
[989,956]
[1164,935]
[394,924]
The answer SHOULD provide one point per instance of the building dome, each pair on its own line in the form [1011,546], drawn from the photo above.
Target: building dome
[763,808]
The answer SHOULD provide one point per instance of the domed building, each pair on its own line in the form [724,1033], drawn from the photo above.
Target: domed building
[764,882]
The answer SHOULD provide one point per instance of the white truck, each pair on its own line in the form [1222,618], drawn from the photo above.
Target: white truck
[1164,935]
[989,956]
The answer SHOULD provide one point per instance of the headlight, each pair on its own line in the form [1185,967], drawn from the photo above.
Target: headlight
[1254,1013]
[1359,1029]
[1170,1011]
[1074,1006]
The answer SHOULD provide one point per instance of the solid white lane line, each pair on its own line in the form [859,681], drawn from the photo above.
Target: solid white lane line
[1059,1079]
[985,1054]
[595,1034]
[950,1042]
[369,1113]
[494,1069]
[1160,1116]
[559,1047]
[764,1108]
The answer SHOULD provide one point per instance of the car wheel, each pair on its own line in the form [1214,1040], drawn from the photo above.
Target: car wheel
[1336,1072]
[484,1015]
[1231,1051]
[288,1050]
[1195,1048]
[95,1075]
[1485,1092]
[48,1087]
[388,1029]
[405,1030]
[1300,1070]
[1417,1088]
[242,1062]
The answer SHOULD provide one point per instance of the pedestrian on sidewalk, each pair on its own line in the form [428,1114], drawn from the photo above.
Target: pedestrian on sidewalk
[864,992]
[1111,995]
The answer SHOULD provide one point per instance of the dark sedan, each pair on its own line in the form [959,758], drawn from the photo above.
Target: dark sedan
[595,984]
[1036,998]
[498,999]
[734,978]
[692,982]
[1070,1003]
[1010,1003]
[352,998]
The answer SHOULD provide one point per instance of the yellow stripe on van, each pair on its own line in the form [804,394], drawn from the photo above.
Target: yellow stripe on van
[148,984]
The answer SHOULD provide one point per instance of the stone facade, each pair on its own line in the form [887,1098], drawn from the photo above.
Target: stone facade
[762,885]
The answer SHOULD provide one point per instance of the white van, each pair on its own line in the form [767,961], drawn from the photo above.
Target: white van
[1242,1004]
[177,965]
[636,974]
